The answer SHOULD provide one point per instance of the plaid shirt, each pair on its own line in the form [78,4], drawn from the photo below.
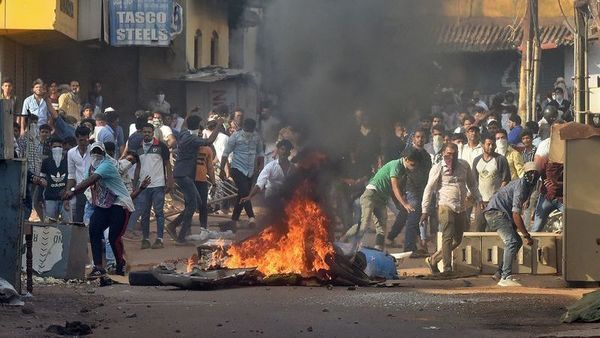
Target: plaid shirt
[528,155]
[33,152]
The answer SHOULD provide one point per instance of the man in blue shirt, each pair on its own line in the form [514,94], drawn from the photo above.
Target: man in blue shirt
[35,105]
[248,158]
[109,133]
[503,215]
[514,123]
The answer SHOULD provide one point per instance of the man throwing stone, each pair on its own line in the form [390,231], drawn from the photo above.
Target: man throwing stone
[503,215]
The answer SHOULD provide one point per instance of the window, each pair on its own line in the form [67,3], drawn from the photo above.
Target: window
[214,49]
[198,49]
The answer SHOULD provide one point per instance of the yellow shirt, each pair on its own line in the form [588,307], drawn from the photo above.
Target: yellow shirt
[515,163]
[69,106]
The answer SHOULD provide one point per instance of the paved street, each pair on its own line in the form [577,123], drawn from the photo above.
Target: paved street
[471,307]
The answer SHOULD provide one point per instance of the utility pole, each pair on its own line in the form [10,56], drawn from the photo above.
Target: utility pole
[581,92]
[530,58]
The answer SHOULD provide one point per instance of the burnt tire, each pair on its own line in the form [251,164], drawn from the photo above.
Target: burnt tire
[143,278]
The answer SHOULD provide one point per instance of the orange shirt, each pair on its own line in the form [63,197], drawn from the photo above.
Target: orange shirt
[204,166]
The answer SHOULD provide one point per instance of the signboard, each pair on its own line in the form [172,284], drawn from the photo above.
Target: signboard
[59,250]
[47,248]
[141,22]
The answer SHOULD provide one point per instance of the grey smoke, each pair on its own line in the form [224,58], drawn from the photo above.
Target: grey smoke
[325,58]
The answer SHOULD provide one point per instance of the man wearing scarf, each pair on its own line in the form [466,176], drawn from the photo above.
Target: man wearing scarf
[112,207]
[450,179]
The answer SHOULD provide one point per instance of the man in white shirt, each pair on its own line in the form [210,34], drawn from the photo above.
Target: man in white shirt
[160,104]
[274,174]
[154,162]
[78,162]
[473,147]
[165,131]
[491,172]
[449,180]
[269,131]
[221,140]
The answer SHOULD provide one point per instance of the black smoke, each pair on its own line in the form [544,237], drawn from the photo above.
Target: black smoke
[325,58]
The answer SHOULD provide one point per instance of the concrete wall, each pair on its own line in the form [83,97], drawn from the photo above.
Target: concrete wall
[208,16]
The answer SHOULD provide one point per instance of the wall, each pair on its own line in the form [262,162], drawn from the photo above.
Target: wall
[233,93]
[90,20]
[115,68]
[18,63]
[208,16]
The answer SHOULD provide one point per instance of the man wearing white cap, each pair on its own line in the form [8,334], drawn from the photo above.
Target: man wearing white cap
[503,215]
[112,207]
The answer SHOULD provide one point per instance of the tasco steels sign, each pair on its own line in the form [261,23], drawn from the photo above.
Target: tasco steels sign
[144,22]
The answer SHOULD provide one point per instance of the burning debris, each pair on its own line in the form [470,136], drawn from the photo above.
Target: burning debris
[304,249]
[299,251]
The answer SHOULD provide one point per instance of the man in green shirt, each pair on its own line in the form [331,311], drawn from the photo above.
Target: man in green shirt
[373,201]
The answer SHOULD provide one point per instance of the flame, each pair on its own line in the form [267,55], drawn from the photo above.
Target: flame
[303,249]
[191,262]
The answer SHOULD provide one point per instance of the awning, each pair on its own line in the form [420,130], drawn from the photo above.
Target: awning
[215,73]
[489,37]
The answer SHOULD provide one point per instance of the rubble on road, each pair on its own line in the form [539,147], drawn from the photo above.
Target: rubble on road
[8,294]
[70,329]
[211,235]
[56,281]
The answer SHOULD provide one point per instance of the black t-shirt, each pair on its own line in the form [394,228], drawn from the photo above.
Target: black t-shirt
[55,176]
[416,180]
[367,148]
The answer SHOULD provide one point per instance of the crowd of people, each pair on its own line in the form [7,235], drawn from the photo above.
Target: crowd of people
[84,168]
[467,167]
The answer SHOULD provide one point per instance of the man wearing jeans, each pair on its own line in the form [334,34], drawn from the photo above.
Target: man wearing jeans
[385,184]
[78,161]
[248,158]
[54,170]
[450,180]
[154,162]
[416,181]
[184,174]
[503,214]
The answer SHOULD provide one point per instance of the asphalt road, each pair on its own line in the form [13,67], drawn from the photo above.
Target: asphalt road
[125,311]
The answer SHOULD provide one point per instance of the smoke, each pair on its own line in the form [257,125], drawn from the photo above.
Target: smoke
[326,58]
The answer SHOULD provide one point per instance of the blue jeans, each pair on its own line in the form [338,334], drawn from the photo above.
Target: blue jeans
[411,220]
[88,210]
[55,208]
[110,256]
[191,198]
[499,222]
[135,215]
[543,209]
[155,198]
